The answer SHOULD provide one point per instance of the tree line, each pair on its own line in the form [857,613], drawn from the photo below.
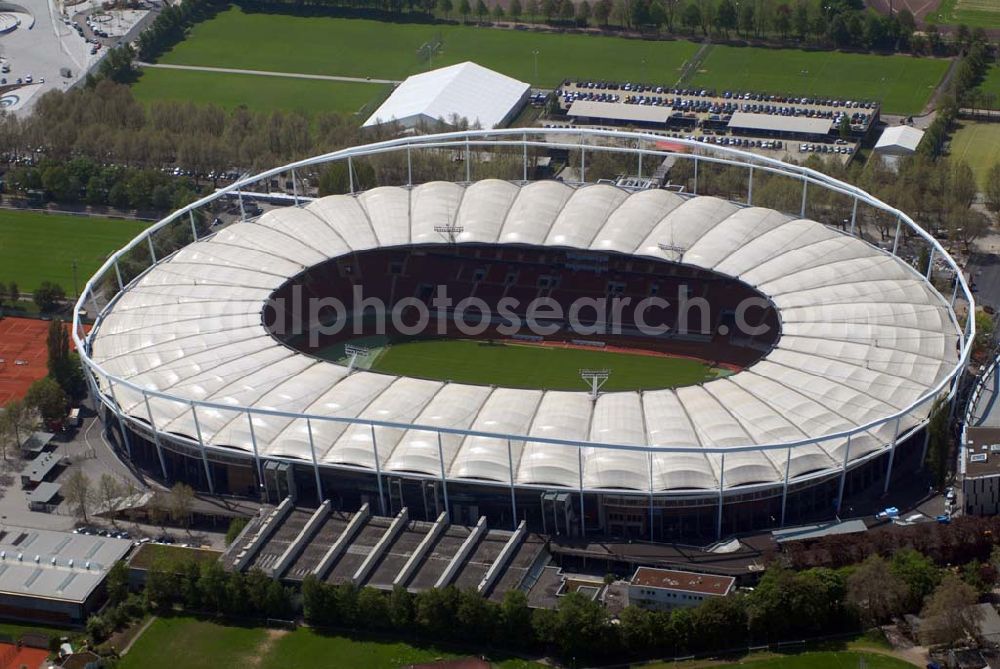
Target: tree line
[836,24]
[784,605]
[961,91]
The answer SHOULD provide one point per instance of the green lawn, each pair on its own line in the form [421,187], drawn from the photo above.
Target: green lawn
[149,554]
[189,643]
[902,83]
[973,13]
[35,247]
[991,84]
[360,48]
[259,93]
[977,144]
[522,366]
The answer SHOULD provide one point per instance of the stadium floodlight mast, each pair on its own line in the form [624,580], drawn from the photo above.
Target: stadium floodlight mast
[449,231]
[595,378]
[355,352]
[672,247]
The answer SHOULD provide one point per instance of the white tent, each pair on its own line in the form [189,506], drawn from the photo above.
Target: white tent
[899,140]
[466,90]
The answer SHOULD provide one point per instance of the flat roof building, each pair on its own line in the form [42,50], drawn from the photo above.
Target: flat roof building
[779,125]
[466,90]
[653,588]
[54,577]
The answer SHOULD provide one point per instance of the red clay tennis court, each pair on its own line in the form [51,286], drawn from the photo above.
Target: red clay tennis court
[23,355]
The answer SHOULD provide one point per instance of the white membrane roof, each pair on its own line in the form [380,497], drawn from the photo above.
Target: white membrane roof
[863,336]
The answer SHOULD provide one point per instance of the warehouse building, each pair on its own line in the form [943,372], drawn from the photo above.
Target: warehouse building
[466,90]
[54,577]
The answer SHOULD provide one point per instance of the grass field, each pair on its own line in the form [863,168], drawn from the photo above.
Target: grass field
[809,660]
[991,82]
[977,144]
[258,93]
[902,84]
[35,247]
[186,642]
[973,13]
[149,554]
[360,48]
[525,366]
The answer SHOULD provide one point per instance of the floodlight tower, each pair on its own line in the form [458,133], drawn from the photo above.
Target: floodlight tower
[449,231]
[355,352]
[595,378]
[672,248]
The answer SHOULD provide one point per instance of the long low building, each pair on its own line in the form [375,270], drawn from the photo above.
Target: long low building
[54,577]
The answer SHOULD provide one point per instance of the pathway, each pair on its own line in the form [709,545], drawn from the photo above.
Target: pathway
[265,73]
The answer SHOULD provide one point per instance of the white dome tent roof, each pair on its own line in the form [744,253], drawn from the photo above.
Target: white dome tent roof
[466,90]
[863,337]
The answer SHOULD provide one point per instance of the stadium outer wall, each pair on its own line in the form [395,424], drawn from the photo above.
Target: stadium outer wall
[655,515]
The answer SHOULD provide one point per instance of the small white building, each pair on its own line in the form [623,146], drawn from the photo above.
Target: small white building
[466,90]
[662,589]
[899,140]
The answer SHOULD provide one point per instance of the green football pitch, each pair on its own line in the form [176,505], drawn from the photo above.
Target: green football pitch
[382,50]
[903,84]
[973,13]
[977,144]
[36,247]
[530,366]
[259,93]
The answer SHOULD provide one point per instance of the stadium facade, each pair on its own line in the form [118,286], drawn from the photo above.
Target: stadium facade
[199,384]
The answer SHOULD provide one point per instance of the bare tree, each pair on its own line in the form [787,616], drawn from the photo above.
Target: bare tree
[950,612]
[79,494]
[875,590]
[111,492]
[181,504]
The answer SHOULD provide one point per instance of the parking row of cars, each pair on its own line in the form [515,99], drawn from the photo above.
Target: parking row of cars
[91,530]
[826,148]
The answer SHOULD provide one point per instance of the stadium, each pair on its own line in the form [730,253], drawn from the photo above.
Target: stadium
[211,370]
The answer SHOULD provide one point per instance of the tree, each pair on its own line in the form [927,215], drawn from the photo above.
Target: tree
[582,13]
[116,583]
[464,9]
[446,7]
[48,398]
[783,20]
[918,573]
[14,293]
[991,190]
[515,10]
[79,494]
[336,178]
[566,10]
[16,420]
[801,19]
[110,492]
[498,12]
[602,12]
[48,295]
[691,18]
[875,590]
[482,11]
[950,612]
[158,508]
[725,16]
[844,127]
[64,366]
[181,504]
[236,526]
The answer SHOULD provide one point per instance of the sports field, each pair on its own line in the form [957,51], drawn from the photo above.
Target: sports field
[903,84]
[991,83]
[363,48]
[977,144]
[36,247]
[171,643]
[973,13]
[531,366]
[259,93]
